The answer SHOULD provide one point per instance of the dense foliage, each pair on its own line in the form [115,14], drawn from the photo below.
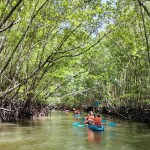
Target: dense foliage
[73,52]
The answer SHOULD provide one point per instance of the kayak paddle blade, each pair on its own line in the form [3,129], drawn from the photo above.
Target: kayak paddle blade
[112,124]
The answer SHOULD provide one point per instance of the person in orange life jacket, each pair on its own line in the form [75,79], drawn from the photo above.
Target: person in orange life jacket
[91,118]
[97,120]
[77,111]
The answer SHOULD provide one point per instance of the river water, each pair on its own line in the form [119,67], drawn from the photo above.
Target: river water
[56,132]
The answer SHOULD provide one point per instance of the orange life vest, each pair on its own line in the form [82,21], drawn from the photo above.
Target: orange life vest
[97,121]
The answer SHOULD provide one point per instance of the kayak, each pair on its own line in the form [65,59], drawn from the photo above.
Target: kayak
[95,128]
[76,115]
[66,111]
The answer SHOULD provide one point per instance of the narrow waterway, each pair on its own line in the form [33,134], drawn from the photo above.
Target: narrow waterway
[56,132]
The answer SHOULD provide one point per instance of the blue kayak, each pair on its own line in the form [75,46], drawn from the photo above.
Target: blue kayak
[76,115]
[95,128]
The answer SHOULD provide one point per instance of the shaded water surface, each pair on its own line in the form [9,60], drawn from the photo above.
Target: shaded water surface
[58,133]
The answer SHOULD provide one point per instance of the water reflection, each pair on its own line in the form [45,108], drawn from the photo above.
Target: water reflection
[33,122]
[57,132]
[93,136]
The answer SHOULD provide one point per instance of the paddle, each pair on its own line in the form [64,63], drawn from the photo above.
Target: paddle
[81,125]
[112,124]
[103,121]
[78,123]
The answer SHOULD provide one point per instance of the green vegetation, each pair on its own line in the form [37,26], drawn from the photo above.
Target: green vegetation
[73,52]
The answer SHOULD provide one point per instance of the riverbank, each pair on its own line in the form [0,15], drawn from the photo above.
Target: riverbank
[140,114]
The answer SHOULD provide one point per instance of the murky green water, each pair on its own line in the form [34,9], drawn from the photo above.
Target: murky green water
[57,133]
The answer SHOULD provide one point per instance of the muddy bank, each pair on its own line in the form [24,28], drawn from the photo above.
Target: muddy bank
[140,114]
[16,110]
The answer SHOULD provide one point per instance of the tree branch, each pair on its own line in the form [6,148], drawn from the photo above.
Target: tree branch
[145,8]
[10,13]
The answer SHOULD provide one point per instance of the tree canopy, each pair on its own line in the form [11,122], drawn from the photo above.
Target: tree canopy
[74,52]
